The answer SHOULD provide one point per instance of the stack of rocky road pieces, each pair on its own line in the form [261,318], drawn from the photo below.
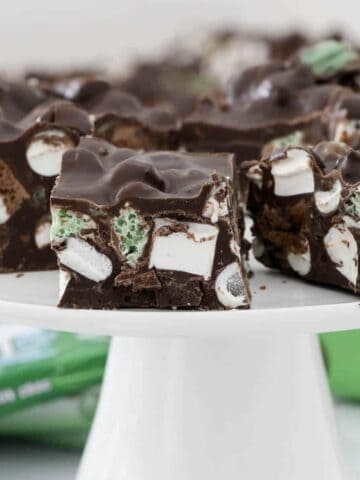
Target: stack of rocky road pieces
[146,200]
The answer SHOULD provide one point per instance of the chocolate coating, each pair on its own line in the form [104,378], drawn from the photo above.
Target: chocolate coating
[157,127]
[73,85]
[169,81]
[110,177]
[119,117]
[321,227]
[103,182]
[269,102]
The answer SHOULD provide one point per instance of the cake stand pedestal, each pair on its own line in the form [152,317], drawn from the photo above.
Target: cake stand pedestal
[207,395]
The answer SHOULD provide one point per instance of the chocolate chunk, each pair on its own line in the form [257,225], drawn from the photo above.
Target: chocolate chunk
[35,130]
[305,204]
[271,103]
[118,116]
[154,229]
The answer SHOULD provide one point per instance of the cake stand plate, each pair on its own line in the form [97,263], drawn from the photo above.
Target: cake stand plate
[206,395]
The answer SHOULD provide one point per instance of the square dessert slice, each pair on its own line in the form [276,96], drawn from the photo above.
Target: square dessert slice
[272,103]
[118,116]
[157,229]
[34,133]
[305,204]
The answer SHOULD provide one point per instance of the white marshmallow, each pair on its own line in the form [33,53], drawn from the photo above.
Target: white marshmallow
[83,258]
[346,129]
[45,157]
[328,202]
[255,175]
[191,252]
[229,287]
[64,279]
[293,175]
[214,209]
[42,235]
[300,262]
[4,213]
[342,249]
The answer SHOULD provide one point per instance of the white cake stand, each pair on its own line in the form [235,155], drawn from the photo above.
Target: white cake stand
[238,395]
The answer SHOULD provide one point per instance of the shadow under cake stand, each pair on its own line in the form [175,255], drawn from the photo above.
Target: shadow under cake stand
[206,395]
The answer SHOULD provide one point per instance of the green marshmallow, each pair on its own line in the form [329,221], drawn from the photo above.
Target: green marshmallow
[132,232]
[294,138]
[327,57]
[66,223]
[353,205]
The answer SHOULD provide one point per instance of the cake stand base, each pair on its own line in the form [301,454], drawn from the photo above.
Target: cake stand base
[252,407]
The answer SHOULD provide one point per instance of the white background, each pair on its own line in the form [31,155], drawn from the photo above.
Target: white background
[37,31]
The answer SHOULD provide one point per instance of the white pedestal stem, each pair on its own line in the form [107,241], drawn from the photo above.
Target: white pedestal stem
[250,408]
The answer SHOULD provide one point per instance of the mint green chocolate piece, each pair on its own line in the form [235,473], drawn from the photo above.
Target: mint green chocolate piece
[294,138]
[66,223]
[327,57]
[353,205]
[132,232]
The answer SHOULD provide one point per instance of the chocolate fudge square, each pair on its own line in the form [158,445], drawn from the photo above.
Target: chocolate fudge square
[274,103]
[118,116]
[305,203]
[34,133]
[157,229]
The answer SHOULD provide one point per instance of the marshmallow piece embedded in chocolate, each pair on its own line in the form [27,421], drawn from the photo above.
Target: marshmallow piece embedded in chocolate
[328,201]
[83,258]
[229,286]
[183,246]
[216,205]
[45,151]
[300,262]
[42,234]
[293,174]
[4,213]
[342,249]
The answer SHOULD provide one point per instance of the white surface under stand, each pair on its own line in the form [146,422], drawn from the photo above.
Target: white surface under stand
[215,396]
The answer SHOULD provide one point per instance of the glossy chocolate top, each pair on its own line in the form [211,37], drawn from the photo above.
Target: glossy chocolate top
[102,175]
[267,102]
[105,101]
[71,85]
[24,108]
[265,117]
[170,80]
[112,103]
[273,80]
[18,99]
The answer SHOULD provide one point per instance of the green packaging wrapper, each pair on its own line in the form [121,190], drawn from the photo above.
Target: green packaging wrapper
[50,382]
[49,385]
[342,357]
